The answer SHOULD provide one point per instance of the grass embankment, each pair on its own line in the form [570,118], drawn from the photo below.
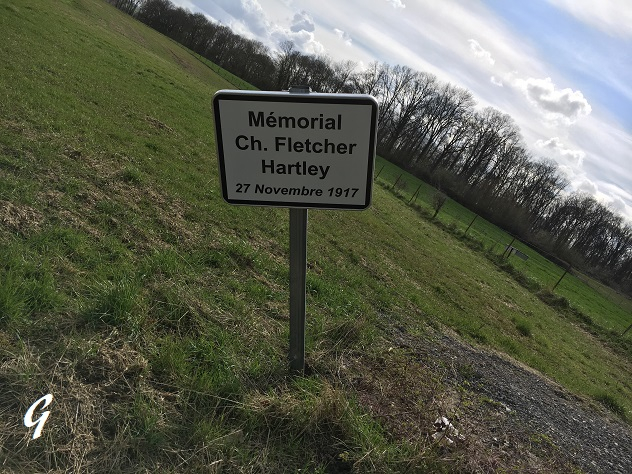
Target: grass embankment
[156,314]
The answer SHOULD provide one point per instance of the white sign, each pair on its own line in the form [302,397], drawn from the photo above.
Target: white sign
[296,150]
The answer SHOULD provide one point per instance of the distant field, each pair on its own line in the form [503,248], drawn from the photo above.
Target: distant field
[234,81]
[610,311]
[157,315]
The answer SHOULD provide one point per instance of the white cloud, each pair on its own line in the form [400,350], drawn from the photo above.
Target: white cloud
[556,104]
[613,17]
[608,150]
[300,32]
[618,205]
[396,3]
[250,19]
[480,52]
[587,186]
[251,13]
[555,145]
[567,171]
[344,36]
[617,198]
[302,21]
[304,40]
[496,82]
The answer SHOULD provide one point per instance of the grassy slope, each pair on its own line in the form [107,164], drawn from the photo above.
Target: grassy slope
[157,315]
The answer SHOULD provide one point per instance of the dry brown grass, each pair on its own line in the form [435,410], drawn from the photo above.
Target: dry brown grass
[20,218]
[92,382]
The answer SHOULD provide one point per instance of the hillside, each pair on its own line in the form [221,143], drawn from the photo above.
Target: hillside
[156,314]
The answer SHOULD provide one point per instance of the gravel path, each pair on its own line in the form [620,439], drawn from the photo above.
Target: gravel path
[592,439]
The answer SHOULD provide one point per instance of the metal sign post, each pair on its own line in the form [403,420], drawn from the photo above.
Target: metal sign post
[298,272]
[298,275]
[299,150]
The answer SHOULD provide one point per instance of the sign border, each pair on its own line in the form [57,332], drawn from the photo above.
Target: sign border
[268,96]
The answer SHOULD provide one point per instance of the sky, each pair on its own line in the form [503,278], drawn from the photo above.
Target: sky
[561,68]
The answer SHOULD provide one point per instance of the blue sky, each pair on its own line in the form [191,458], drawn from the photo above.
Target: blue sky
[579,50]
[560,68]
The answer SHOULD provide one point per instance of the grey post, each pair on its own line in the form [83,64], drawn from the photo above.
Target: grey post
[298,270]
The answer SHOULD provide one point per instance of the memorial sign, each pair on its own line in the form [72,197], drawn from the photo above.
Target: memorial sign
[296,150]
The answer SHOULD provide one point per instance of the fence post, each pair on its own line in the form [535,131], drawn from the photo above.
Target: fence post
[378,173]
[468,227]
[397,181]
[415,194]
[563,275]
[508,247]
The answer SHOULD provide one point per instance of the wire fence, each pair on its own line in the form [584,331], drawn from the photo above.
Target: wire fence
[602,304]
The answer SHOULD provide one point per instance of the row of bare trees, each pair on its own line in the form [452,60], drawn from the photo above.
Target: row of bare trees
[478,156]
[581,224]
[434,130]
[248,59]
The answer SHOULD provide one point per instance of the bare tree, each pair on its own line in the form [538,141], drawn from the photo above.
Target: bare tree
[368,81]
[127,6]
[287,65]
[414,91]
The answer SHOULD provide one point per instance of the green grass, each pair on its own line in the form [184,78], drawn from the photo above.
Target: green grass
[157,315]
[608,311]
[236,82]
[612,403]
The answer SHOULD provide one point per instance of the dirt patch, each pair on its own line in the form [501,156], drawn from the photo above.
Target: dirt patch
[124,30]
[154,122]
[19,128]
[181,62]
[411,398]
[512,417]
[20,218]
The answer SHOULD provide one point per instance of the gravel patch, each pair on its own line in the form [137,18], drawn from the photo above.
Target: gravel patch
[586,435]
